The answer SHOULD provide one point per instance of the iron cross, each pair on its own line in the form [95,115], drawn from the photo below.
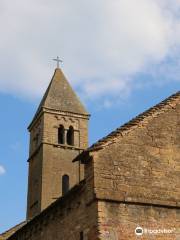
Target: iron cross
[58,60]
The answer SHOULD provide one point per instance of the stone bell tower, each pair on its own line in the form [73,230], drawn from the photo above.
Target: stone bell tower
[58,133]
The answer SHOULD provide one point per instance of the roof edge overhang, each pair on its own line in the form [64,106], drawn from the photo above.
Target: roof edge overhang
[165,105]
[84,157]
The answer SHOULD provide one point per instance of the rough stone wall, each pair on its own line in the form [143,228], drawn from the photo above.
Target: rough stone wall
[143,165]
[64,220]
[118,221]
[35,169]
[83,128]
[49,160]
[57,159]
[36,135]
[56,163]
[34,184]
[52,121]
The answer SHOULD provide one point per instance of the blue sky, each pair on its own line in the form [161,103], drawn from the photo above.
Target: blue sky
[121,57]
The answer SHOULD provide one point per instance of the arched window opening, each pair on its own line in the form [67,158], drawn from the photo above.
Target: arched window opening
[81,236]
[70,136]
[65,184]
[61,135]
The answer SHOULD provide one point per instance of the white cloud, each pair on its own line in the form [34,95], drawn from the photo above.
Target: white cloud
[2,170]
[104,43]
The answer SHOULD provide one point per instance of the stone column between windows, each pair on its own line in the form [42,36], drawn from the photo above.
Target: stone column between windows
[65,136]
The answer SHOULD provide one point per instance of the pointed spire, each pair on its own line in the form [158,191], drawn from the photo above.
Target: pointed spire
[60,96]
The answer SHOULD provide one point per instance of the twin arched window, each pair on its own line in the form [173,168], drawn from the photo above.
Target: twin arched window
[69,135]
[65,184]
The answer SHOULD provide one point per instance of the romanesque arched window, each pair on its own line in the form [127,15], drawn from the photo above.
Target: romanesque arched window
[70,136]
[65,184]
[61,134]
[81,236]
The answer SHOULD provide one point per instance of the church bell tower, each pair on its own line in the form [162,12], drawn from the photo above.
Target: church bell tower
[58,133]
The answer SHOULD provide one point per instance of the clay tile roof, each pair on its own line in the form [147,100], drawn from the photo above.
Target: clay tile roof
[60,96]
[171,101]
[11,231]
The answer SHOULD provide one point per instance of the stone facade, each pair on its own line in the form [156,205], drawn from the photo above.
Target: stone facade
[127,180]
[137,175]
[143,164]
[118,221]
[50,159]
[65,219]
[73,216]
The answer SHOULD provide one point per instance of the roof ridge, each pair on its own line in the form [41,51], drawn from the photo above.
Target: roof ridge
[134,122]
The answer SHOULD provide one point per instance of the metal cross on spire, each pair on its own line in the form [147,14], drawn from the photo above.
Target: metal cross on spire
[58,60]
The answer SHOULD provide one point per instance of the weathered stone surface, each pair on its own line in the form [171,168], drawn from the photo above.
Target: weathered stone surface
[132,179]
[143,165]
[49,160]
[118,221]
[64,219]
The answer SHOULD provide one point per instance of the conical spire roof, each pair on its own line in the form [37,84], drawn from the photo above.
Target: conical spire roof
[60,96]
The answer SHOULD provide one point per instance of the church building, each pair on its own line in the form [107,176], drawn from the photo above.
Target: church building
[126,186]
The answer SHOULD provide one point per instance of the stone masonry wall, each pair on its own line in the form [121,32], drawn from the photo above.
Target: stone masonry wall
[52,121]
[57,158]
[142,165]
[64,219]
[118,221]
[49,160]
[56,163]
[35,185]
